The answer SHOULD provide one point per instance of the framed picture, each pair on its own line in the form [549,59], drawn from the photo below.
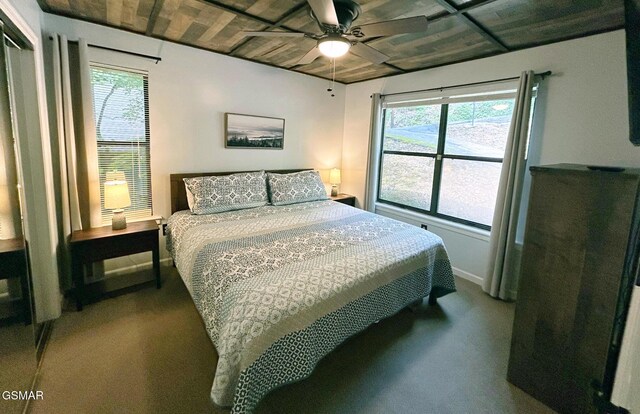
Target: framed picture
[248,131]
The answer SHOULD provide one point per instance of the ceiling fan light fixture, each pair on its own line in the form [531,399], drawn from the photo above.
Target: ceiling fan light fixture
[334,47]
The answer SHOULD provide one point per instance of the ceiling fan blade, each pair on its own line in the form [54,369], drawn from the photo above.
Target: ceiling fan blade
[274,34]
[369,53]
[393,27]
[325,11]
[311,55]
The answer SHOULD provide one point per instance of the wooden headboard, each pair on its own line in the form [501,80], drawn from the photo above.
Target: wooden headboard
[179,193]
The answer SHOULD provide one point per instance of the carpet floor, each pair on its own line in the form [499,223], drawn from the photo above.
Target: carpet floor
[147,352]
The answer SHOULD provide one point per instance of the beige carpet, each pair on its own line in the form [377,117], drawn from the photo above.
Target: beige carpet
[17,363]
[147,352]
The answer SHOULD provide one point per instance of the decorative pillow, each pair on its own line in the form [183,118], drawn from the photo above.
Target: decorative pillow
[295,187]
[227,192]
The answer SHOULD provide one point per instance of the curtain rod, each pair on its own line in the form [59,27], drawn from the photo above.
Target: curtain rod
[126,52]
[541,75]
[156,58]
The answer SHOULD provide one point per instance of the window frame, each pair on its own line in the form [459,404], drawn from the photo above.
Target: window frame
[146,144]
[439,156]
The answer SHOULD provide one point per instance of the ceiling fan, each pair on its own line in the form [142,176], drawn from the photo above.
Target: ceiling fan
[335,18]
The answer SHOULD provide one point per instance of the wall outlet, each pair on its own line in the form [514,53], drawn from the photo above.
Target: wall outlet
[423,226]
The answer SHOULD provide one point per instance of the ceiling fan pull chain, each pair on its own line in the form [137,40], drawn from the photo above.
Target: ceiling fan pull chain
[330,88]
[333,77]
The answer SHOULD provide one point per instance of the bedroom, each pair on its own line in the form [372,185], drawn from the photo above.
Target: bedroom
[581,117]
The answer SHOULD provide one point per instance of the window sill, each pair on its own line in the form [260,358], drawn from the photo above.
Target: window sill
[470,231]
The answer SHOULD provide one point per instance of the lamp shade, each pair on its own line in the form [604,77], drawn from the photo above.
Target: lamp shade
[334,176]
[5,205]
[116,194]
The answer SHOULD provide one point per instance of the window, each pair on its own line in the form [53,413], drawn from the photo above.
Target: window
[121,108]
[443,156]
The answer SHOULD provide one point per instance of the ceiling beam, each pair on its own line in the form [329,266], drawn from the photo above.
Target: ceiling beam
[446,14]
[298,68]
[450,11]
[394,67]
[274,25]
[243,13]
[289,14]
[459,10]
[473,24]
[153,18]
[484,32]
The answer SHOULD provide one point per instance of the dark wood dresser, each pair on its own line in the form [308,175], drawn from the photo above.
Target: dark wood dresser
[580,254]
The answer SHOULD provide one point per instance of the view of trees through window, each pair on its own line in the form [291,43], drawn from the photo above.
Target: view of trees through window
[120,100]
[445,160]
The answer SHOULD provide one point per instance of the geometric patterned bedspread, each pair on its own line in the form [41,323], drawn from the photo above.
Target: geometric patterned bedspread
[279,287]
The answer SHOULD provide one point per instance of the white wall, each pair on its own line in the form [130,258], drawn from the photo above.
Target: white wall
[191,89]
[581,118]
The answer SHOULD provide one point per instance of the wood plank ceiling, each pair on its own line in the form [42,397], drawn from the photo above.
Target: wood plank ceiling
[459,30]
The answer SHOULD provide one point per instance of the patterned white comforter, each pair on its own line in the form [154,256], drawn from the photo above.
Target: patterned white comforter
[278,288]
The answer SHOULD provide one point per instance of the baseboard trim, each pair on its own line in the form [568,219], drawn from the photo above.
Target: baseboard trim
[467,276]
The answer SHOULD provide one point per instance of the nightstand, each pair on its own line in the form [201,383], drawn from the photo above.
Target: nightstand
[347,199]
[13,265]
[101,243]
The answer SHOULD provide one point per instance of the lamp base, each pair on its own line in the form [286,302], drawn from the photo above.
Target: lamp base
[119,220]
[334,190]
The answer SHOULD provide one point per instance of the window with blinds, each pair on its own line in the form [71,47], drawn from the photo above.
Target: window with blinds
[121,110]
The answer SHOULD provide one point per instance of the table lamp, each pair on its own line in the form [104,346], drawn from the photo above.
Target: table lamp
[334,180]
[116,198]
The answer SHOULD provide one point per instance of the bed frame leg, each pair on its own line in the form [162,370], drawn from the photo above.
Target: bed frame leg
[433,300]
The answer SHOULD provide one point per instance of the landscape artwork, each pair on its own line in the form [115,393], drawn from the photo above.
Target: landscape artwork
[248,131]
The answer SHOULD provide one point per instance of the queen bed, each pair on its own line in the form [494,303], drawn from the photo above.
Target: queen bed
[278,287]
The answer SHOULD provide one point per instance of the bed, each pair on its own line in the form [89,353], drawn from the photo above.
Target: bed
[279,287]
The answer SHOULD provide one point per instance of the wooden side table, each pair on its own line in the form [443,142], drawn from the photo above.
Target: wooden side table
[101,243]
[347,199]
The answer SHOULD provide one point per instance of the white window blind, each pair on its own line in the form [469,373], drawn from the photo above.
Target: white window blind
[466,93]
[121,110]
[451,99]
